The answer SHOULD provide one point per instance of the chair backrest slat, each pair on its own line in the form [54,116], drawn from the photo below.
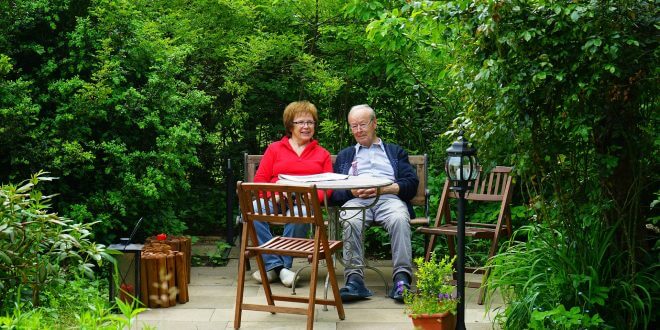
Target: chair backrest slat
[259,202]
[420,164]
[490,186]
[496,190]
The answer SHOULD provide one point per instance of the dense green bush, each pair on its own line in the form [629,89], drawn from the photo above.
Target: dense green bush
[51,261]
[38,247]
[138,105]
[567,92]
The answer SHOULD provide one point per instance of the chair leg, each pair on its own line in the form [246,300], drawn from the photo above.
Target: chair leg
[452,246]
[429,247]
[332,277]
[264,280]
[311,307]
[482,289]
[240,289]
[295,278]
[491,254]
[452,252]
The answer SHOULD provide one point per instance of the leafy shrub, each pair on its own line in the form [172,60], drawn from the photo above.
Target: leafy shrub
[75,304]
[546,269]
[38,247]
[434,288]
[560,318]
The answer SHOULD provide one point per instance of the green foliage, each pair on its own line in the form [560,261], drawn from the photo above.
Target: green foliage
[565,91]
[377,242]
[560,318]
[434,289]
[22,319]
[217,257]
[545,268]
[72,304]
[138,105]
[108,108]
[38,247]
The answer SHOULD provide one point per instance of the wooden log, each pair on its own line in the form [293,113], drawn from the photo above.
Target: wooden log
[171,278]
[163,286]
[188,254]
[176,243]
[181,278]
[156,247]
[152,280]
[187,249]
[144,287]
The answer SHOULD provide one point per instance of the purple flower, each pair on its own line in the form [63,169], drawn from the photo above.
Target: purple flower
[399,286]
[444,296]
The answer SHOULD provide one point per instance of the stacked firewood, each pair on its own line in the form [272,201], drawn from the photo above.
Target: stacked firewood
[177,243]
[164,275]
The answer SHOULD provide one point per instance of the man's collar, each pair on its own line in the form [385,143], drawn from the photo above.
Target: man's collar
[378,143]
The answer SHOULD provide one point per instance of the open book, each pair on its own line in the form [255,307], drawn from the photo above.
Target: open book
[314,177]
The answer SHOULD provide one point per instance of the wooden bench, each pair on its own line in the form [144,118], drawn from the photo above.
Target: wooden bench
[419,162]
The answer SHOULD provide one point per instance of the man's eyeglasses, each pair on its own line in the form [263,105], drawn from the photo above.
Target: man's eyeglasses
[304,123]
[355,127]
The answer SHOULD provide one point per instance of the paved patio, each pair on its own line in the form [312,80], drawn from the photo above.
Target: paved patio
[213,292]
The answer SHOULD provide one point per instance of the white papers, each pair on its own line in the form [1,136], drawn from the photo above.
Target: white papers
[314,177]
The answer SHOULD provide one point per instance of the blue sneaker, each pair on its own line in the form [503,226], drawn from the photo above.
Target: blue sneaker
[398,289]
[354,291]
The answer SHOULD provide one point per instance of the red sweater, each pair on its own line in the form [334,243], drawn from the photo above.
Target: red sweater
[279,158]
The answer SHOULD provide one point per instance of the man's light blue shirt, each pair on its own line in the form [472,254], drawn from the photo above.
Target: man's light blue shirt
[372,161]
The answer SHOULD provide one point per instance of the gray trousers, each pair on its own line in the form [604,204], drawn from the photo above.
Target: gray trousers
[392,214]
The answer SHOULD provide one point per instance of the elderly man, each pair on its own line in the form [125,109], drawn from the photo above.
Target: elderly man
[372,156]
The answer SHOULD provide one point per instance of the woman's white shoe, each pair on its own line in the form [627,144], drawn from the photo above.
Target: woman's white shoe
[271,275]
[286,277]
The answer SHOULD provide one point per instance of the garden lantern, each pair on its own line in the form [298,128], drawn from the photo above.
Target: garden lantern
[462,169]
[128,270]
[462,165]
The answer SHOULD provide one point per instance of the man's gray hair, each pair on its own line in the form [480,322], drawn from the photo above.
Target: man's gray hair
[372,113]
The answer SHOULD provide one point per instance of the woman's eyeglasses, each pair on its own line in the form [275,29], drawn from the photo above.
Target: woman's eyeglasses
[304,123]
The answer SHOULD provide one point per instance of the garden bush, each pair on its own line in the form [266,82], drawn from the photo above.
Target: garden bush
[49,266]
[38,247]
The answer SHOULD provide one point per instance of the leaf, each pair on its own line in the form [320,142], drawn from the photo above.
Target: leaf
[575,16]
[5,258]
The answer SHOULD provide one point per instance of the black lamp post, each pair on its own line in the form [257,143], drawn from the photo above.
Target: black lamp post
[462,169]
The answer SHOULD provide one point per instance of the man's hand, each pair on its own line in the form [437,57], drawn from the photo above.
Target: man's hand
[371,192]
[364,193]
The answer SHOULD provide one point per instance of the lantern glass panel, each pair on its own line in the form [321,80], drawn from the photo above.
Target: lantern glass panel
[126,267]
[127,270]
[461,169]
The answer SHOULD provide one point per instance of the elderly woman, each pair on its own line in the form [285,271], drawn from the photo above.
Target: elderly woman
[296,153]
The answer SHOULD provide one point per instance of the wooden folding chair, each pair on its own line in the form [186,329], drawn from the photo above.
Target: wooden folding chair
[301,200]
[493,187]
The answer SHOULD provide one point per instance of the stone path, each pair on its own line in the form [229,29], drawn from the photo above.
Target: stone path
[213,292]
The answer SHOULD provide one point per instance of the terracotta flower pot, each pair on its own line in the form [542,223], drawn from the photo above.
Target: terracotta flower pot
[441,321]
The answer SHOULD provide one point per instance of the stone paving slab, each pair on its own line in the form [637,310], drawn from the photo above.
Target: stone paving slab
[212,292]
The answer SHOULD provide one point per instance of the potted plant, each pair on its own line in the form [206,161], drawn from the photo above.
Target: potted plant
[431,305]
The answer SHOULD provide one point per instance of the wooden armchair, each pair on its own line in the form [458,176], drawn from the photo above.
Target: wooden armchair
[493,187]
[254,203]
